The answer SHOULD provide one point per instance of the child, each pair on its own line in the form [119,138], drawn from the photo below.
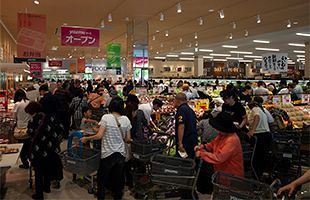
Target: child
[88,126]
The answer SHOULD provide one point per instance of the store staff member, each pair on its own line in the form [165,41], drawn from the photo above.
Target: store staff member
[185,127]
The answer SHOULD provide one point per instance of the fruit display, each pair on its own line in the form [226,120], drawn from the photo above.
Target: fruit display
[297,115]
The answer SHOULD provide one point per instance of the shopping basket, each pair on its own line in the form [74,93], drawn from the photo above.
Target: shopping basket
[175,171]
[227,186]
[144,150]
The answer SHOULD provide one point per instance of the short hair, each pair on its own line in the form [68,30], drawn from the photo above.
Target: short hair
[295,81]
[20,95]
[85,109]
[158,102]
[117,105]
[195,84]
[247,87]
[43,87]
[185,87]
[132,98]
[260,83]
[258,99]
[33,107]
[181,96]
[291,85]
[229,93]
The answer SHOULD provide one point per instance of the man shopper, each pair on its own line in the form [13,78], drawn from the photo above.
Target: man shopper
[185,126]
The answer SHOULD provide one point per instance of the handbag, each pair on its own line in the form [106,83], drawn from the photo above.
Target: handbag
[21,133]
[127,145]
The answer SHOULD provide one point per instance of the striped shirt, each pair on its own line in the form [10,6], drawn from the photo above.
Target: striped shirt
[112,140]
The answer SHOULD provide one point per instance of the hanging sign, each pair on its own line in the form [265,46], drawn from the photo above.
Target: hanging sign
[55,63]
[31,35]
[275,62]
[79,36]
[114,56]
[35,70]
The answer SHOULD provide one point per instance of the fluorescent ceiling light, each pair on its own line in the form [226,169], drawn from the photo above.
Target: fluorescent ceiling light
[300,56]
[187,53]
[172,56]
[266,49]
[262,41]
[303,34]
[36,2]
[241,52]
[205,50]
[257,59]
[159,58]
[218,54]
[230,46]
[234,58]
[253,56]
[300,59]
[296,45]
[47,70]
[208,57]
[219,60]
[297,51]
[186,58]
[246,61]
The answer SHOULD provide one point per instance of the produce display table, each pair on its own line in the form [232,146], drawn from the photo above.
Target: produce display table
[7,161]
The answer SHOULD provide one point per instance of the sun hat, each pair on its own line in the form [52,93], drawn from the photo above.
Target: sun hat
[223,122]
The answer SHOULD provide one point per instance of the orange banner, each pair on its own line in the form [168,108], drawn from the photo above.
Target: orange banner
[72,68]
[31,37]
[81,65]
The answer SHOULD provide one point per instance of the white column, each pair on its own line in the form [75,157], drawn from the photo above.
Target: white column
[307,60]
[198,66]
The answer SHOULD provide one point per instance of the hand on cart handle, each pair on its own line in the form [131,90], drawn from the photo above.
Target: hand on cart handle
[181,148]
[290,188]
[250,133]
[83,140]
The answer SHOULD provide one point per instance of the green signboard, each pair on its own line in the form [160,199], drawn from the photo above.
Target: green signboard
[114,56]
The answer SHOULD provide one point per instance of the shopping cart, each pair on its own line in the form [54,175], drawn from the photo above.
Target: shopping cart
[80,160]
[173,175]
[7,125]
[227,186]
[248,150]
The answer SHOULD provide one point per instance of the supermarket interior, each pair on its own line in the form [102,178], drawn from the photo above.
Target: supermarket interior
[166,99]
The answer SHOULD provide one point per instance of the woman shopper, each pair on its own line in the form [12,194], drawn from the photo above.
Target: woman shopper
[45,132]
[115,132]
[224,153]
[20,131]
[259,127]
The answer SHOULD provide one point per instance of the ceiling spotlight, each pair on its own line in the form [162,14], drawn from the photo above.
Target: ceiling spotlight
[289,24]
[230,36]
[196,49]
[258,20]
[126,35]
[234,25]
[153,38]
[127,19]
[196,44]
[161,17]
[181,40]
[179,8]
[99,50]
[36,2]
[222,15]
[167,33]
[200,21]
[189,45]
[161,45]
[196,36]
[246,33]
[157,52]
[110,17]
[102,23]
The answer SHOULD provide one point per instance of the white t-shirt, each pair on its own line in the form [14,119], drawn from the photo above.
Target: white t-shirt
[263,125]
[284,91]
[113,139]
[270,119]
[147,109]
[21,116]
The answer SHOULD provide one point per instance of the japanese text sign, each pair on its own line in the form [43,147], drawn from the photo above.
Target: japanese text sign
[275,62]
[36,70]
[79,36]
[31,35]
[3,101]
[114,56]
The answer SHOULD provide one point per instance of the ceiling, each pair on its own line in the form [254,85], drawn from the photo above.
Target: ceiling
[211,34]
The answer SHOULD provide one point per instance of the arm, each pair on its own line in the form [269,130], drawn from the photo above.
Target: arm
[180,136]
[97,136]
[91,121]
[291,187]
[128,137]
[220,155]
[244,121]
[254,125]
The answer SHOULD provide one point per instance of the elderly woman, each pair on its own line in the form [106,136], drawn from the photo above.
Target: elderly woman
[224,153]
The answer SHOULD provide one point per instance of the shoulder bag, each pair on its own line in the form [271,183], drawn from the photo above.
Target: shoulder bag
[127,145]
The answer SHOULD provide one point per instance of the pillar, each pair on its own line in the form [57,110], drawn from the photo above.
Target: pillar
[307,60]
[198,66]
[130,42]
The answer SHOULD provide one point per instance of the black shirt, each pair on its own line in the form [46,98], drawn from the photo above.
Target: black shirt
[245,98]
[185,115]
[237,111]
